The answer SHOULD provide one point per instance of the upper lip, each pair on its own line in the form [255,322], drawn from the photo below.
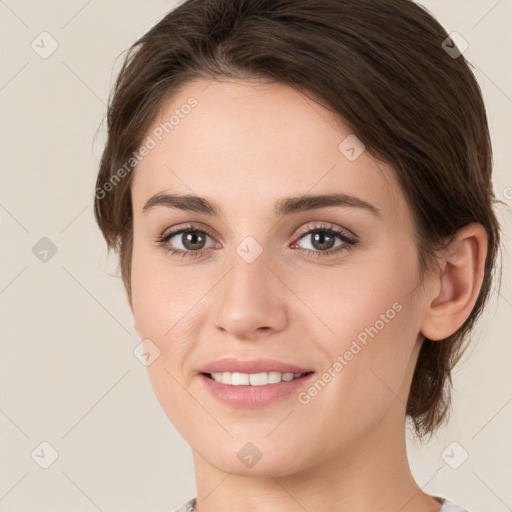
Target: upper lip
[230,364]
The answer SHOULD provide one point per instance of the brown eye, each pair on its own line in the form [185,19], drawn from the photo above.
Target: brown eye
[191,240]
[323,240]
[186,241]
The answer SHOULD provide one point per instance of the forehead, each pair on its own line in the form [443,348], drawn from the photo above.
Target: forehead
[248,143]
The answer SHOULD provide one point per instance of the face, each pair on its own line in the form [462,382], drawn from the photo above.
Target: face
[332,289]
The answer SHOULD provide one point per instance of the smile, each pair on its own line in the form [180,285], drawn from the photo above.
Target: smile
[253,379]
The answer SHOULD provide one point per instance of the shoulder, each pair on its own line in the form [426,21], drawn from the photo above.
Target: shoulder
[187,506]
[449,506]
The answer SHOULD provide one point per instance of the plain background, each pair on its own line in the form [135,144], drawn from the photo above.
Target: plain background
[68,376]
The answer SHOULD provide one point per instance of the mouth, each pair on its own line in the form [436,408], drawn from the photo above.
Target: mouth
[254,390]
[253,383]
[254,379]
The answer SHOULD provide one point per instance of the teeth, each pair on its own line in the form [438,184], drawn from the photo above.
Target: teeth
[253,379]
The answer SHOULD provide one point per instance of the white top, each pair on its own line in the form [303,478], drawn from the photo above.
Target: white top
[448,506]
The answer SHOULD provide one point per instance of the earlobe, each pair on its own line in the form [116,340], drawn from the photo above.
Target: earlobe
[457,287]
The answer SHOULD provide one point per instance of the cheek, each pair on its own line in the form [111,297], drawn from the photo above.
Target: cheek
[353,299]
[162,302]
[169,310]
[161,295]
[147,301]
[373,321]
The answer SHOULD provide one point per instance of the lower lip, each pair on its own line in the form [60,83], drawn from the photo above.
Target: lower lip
[248,397]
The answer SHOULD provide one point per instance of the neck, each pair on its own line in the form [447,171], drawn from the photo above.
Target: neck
[372,474]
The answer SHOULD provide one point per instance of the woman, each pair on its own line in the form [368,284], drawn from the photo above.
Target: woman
[300,194]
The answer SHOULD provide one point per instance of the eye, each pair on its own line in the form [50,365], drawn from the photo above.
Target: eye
[187,241]
[322,240]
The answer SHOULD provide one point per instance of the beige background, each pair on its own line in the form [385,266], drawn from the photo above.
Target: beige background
[67,373]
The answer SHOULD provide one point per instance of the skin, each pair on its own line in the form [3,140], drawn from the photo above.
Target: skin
[345,450]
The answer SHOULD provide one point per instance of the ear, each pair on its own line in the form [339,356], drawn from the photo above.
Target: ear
[455,291]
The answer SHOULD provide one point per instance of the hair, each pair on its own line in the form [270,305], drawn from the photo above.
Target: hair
[380,65]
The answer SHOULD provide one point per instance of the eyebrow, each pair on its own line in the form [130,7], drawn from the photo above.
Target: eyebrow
[283,206]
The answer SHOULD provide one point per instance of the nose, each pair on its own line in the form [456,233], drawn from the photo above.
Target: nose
[250,301]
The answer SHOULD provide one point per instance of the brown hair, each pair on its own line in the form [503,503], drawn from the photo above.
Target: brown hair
[382,66]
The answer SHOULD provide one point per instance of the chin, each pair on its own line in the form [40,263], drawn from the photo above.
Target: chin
[249,462]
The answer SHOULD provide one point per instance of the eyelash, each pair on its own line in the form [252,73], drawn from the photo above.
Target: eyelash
[348,240]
